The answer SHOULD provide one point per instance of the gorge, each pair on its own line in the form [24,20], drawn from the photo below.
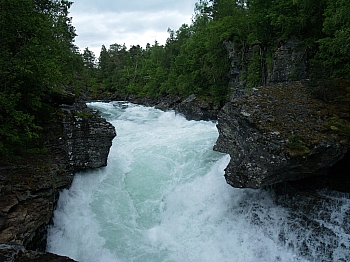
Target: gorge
[262,174]
[273,134]
[163,197]
[77,139]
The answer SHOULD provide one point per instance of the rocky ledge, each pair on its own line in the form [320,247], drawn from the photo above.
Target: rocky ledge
[279,133]
[191,107]
[77,139]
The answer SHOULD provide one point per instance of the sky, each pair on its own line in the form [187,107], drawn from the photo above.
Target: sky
[129,22]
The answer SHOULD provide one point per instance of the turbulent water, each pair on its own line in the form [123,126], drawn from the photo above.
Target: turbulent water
[163,197]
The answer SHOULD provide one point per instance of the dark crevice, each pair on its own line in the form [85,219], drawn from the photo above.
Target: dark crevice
[339,174]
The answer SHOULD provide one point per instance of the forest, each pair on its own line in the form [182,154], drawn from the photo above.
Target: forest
[38,58]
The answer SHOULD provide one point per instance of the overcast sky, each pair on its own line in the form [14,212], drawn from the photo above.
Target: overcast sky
[133,22]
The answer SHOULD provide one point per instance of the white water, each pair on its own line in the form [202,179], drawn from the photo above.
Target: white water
[163,197]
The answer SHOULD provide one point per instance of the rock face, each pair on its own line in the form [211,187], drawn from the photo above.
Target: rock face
[15,252]
[29,189]
[289,62]
[278,132]
[88,137]
[275,134]
[195,109]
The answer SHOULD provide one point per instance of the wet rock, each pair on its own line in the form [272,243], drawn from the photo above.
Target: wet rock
[313,211]
[12,252]
[87,137]
[76,139]
[194,108]
[277,133]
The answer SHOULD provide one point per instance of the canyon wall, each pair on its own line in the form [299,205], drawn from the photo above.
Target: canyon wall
[77,139]
[279,132]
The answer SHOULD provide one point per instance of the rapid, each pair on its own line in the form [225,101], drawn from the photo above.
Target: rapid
[163,197]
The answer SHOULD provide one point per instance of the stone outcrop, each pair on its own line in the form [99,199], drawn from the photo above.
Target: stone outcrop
[196,109]
[76,140]
[87,137]
[289,62]
[278,132]
[191,107]
[14,252]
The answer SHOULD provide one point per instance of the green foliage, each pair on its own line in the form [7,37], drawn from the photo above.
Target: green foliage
[89,59]
[85,115]
[253,73]
[339,126]
[335,47]
[194,60]
[36,57]
[297,147]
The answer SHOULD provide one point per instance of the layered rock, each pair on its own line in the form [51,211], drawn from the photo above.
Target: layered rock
[77,139]
[278,132]
[87,137]
[289,62]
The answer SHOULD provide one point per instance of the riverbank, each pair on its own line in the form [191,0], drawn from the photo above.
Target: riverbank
[30,187]
[77,138]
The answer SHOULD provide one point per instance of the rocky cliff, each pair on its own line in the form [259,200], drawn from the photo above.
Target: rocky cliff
[87,137]
[279,132]
[77,139]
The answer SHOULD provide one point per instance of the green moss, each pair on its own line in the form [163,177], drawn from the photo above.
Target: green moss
[84,115]
[339,126]
[297,147]
[254,71]
[269,62]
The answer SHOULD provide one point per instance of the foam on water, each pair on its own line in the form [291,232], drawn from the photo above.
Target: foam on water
[163,197]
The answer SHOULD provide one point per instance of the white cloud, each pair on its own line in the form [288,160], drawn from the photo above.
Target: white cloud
[132,5]
[106,22]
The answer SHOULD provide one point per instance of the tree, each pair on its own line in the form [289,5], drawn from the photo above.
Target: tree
[335,47]
[36,52]
[89,59]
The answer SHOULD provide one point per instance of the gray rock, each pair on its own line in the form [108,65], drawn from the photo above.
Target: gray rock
[11,252]
[194,108]
[275,134]
[87,137]
[289,62]
[191,107]
[77,139]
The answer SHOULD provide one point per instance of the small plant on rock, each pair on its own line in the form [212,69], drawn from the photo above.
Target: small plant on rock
[297,147]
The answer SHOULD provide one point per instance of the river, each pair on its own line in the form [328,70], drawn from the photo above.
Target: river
[163,197]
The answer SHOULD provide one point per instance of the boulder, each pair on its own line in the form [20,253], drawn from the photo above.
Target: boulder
[194,108]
